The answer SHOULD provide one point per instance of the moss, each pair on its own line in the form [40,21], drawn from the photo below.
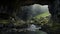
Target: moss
[4,21]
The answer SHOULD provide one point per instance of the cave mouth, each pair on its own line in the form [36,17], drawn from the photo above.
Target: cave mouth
[28,12]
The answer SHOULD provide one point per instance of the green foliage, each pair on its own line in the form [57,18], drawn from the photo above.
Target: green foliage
[42,15]
[41,19]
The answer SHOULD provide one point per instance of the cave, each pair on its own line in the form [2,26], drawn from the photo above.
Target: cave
[13,7]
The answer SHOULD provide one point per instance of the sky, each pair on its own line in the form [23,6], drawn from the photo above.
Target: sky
[42,7]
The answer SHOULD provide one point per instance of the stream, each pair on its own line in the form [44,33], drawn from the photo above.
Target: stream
[32,29]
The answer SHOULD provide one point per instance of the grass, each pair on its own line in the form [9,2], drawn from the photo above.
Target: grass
[42,15]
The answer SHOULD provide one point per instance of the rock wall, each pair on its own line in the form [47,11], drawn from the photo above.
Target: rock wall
[54,9]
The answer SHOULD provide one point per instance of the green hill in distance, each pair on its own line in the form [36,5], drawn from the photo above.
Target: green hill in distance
[42,15]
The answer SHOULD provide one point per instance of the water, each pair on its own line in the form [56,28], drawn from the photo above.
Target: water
[33,29]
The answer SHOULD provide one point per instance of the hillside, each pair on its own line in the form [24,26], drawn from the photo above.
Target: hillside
[42,15]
